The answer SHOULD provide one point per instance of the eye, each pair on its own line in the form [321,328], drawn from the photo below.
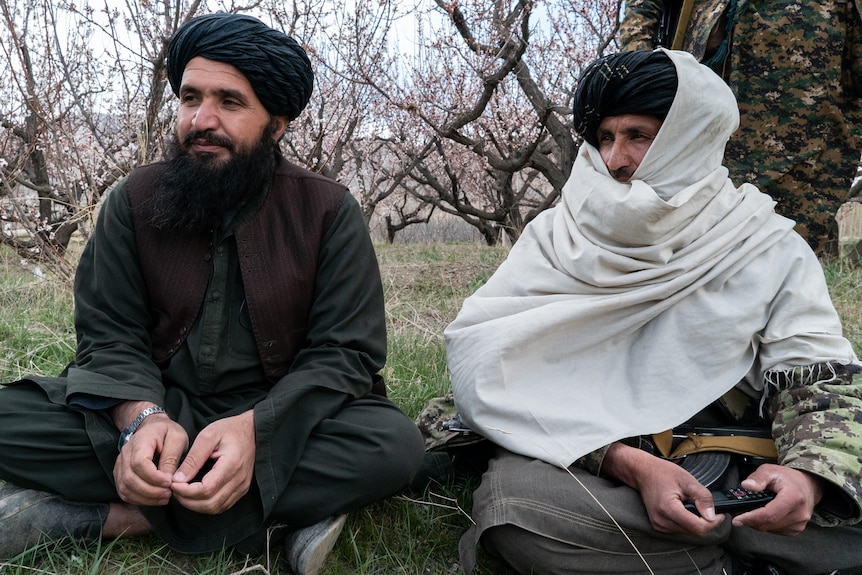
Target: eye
[232,103]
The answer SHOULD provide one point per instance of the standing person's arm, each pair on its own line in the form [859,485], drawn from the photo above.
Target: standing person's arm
[639,28]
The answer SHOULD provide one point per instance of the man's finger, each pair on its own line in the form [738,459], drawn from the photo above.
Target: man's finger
[195,459]
[172,453]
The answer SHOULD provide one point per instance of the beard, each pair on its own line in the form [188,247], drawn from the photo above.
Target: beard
[197,191]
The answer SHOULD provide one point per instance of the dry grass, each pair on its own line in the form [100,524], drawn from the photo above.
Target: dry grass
[425,289]
[845,286]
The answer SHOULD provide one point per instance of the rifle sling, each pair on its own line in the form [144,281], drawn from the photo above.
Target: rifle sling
[682,24]
[694,443]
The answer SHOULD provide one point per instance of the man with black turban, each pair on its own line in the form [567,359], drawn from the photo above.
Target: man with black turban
[656,298]
[230,324]
[627,83]
[274,63]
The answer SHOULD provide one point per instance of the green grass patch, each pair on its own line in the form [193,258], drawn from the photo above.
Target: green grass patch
[845,287]
[37,333]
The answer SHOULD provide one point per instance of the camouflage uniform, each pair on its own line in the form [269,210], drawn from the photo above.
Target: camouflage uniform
[817,428]
[453,452]
[796,70]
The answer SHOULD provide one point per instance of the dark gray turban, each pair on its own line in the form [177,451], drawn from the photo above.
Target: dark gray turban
[276,66]
[639,82]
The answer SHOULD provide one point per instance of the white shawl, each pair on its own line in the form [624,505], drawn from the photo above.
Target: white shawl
[628,308]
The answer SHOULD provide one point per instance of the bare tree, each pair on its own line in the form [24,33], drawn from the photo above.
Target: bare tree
[339,134]
[40,206]
[83,109]
[469,116]
[495,80]
[404,212]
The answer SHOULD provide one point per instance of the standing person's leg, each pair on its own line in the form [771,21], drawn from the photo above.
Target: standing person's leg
[810,194]
[540,518]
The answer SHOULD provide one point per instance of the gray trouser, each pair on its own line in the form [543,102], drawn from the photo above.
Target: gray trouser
[542,519]
[365,452]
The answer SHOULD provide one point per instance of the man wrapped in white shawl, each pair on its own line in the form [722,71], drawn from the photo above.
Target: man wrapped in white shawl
[640,300]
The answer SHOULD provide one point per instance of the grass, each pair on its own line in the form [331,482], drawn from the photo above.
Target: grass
[425,285]
[845,286]
[36,330]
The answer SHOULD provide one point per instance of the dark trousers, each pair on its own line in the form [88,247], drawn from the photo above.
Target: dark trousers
[367,451]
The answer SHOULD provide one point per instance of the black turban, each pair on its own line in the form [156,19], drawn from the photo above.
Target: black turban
[639,82]
[275,65]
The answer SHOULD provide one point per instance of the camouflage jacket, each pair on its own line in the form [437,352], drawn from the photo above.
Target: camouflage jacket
[795,67]
[816,419]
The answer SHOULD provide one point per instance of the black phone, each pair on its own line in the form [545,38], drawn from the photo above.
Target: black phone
[736,500]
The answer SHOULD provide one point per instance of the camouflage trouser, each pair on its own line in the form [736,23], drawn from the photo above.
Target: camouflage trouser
[792,68]
[452,451]
[809,193]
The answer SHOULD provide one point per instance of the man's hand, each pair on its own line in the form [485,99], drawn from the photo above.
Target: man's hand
[796,495]
[229,445]
[664,488]
[144,469]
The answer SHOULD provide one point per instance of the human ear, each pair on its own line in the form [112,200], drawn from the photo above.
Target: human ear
[280,124]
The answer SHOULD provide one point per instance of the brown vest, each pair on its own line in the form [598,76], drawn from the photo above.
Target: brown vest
[278,251]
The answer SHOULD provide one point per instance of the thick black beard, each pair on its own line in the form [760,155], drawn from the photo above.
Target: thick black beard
[197,191]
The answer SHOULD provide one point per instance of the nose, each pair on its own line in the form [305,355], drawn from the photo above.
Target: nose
[205,117]
[616,156]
